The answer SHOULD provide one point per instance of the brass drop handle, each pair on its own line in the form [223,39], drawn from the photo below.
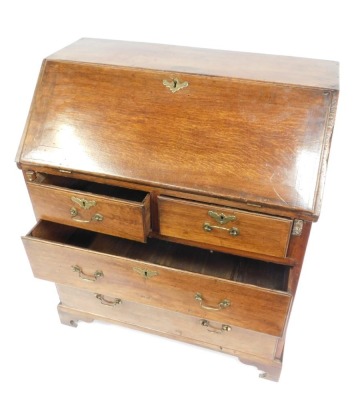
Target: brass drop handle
[76,217]
[232,231]
[223,303]
[85,277]
[221,219]
[108,303]
[214,329]
[86,205]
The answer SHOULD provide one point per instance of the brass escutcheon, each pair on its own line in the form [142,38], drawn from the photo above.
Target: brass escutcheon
[145,273]
[83,203]
[86,205]
[175,85]
[221,218]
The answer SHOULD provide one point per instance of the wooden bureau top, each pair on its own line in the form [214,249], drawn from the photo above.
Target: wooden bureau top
[245,127]
[258,67]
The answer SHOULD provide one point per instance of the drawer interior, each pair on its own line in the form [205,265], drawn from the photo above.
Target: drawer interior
[94,188]
[226,266]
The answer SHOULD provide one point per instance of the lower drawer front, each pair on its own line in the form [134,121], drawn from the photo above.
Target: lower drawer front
[167,322]
[154,274]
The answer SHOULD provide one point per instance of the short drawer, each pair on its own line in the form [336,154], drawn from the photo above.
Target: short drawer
[97,207]
[215,333]
[243,292]
[224,227]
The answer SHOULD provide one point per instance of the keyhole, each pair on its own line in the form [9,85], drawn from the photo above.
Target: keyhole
[175,83]
[145,273]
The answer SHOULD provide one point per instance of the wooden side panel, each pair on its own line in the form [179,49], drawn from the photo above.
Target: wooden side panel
[256,233]
[250,307]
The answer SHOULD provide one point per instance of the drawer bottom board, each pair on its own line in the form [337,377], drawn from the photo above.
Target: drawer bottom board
[213,334]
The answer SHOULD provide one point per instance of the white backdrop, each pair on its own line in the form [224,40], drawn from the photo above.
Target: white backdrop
[42,359]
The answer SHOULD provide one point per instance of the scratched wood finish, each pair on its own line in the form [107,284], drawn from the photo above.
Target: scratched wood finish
[124,213]
[251,307]
[257,233]
[239,138]
[168,322]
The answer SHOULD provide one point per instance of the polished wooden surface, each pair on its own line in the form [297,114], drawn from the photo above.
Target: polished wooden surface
[257,233]
[239,139]
[123,215]
[156,192]
[174,323]
[248,135]
[251,307]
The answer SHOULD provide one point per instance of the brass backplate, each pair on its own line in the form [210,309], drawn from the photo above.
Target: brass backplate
[145,273]
[175,85]
[83,203]
[221,218]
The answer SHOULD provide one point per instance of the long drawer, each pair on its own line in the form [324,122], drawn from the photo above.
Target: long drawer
[165,275]
[224,227]
[97,207]
[210,332]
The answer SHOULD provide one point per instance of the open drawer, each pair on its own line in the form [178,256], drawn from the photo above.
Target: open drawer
[246,293]
[93,206]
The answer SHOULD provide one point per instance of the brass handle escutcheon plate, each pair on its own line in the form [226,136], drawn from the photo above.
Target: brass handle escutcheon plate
[85,205]
[175,85]
[221,219]
[85,277]
[214,329]
[145,273]
[223,303]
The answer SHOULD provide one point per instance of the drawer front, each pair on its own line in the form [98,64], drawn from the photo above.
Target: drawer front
[215,333]
[124,218]
[200,295]
[224,227]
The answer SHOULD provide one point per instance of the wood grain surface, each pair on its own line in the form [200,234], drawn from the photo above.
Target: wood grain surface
[169,322]
[124,213]
[172,288]
[234,137]
[257,233]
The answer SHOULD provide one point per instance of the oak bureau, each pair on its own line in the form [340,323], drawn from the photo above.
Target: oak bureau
[175,188]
